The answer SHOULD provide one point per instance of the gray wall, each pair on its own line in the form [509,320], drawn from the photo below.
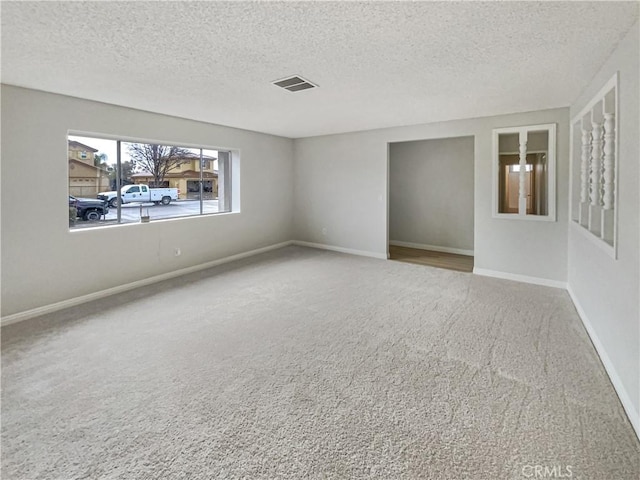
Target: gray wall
[340,184]
[607,290]
[43,262]
[431,192]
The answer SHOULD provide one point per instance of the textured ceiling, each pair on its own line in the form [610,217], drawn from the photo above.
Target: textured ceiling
[377,64]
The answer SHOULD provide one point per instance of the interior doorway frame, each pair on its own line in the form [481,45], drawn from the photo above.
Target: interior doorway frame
[388,183]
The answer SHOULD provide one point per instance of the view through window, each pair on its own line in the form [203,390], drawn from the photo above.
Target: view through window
[115,182]
[524,172]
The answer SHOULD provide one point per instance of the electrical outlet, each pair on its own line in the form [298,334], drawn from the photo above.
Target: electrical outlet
[324,231]
[177,252]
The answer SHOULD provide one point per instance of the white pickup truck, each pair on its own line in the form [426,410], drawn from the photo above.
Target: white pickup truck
[140,193]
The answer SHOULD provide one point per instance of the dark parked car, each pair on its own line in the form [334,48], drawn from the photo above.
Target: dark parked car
[89,208]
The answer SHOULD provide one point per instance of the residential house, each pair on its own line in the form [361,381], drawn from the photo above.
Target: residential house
[85,178]
[186,177]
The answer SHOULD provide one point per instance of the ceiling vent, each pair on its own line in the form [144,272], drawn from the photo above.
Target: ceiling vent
[294,84]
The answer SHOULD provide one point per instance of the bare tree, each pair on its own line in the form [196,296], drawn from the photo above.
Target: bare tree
[158,160]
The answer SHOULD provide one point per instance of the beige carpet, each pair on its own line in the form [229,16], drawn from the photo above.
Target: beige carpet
[301,364]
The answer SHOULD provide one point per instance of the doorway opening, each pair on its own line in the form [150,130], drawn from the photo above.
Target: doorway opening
[431,202]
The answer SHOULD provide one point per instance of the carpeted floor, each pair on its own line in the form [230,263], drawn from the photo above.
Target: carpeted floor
[302,363]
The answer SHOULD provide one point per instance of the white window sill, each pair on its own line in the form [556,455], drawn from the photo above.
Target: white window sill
[517,216]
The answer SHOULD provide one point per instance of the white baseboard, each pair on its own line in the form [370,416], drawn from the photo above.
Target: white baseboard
[520,278]
[433,248]
[17,317]
[623,395]
[322,246]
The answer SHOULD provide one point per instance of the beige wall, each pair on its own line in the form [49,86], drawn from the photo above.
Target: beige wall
[607,290]
[341,194]
[43,262]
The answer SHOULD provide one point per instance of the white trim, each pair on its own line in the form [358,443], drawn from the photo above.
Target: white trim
[518,153]
[613,84]
[54,307]
[572,153]
[433,248]
[517,216]
[623,395]
[616,168]
[322,246]
[520,278]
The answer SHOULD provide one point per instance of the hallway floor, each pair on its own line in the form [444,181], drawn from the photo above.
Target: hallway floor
[450,261]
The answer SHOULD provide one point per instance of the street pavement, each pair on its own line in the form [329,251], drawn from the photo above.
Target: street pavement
[130,212]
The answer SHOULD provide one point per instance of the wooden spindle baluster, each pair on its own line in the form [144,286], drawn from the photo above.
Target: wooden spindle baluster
[584,166]
[522,207]
[596,162]
[609,161]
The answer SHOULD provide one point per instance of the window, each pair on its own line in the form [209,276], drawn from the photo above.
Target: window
[524,172]
[594,168]
[137,181]
[83,154]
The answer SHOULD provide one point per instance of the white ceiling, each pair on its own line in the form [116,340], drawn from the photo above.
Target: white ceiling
[378,64]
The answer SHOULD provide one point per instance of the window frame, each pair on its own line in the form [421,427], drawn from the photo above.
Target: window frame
[552,166]
[232,182]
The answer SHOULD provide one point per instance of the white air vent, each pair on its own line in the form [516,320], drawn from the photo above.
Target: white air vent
[294,83]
